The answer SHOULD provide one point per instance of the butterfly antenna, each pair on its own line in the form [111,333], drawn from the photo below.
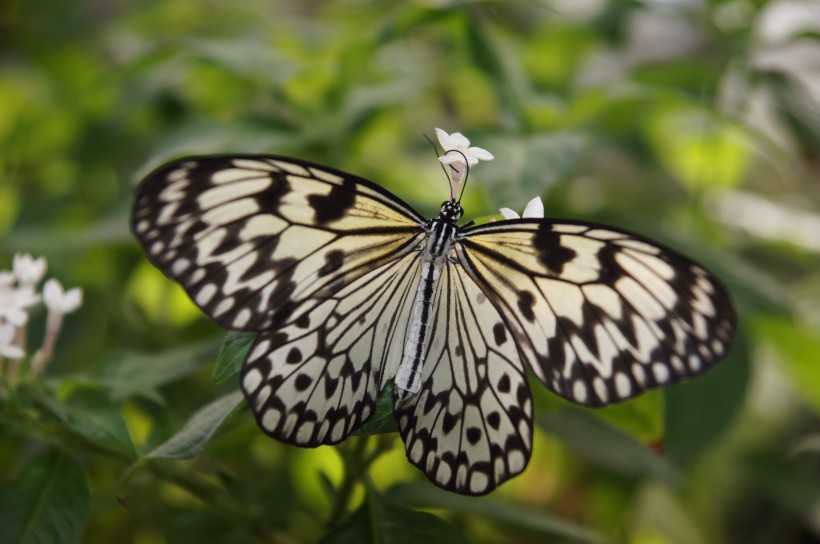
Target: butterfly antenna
[466,173]
[435,150]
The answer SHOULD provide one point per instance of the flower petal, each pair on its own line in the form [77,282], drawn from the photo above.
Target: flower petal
[72,300]
[459,141]
[29,271]
[534,209]
[509,214]
[480,154]
[451,158]
[444,139]
[53,293]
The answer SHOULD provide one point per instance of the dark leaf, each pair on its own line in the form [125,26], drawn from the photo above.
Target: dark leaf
[47,504]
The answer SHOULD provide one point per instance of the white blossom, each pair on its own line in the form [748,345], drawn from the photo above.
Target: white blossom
[7,348]
[534,210]
[59,300]
[6,279]
[14,304]
[29,271]
[458,142]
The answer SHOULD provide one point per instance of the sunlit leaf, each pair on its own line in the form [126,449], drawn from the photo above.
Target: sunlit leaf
[699,149]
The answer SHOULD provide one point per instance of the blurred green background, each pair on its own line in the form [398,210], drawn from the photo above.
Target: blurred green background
[695,122]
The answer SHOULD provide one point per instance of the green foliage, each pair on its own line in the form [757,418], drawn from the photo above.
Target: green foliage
[48,502]
[698,129]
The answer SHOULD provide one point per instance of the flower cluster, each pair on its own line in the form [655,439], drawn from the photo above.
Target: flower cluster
[18,294]
[458,154]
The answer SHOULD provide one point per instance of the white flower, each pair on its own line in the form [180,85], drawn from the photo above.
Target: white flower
[6,279]
[60,301]
[29,271]
[457,142]
[15,302]
[534,210]
[7,349]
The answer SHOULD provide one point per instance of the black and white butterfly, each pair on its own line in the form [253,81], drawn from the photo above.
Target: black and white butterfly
[349,288]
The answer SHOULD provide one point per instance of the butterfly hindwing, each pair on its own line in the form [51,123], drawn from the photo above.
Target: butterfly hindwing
[601,315]
[316,379]
[470,426]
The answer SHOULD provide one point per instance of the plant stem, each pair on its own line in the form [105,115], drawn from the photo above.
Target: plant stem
[356,462]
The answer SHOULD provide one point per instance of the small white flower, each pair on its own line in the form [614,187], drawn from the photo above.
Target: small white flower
[6,279]
[29,271]
[14,304]
[534,210]
[60,301]
[7,349]
[457,142]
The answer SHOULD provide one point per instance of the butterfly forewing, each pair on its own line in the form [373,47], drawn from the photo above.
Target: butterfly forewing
[251,237]
[599,314]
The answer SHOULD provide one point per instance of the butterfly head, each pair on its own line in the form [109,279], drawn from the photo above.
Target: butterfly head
[451,211]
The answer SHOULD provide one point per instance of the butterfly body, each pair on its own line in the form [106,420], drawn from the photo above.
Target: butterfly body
[349,288]
[435,252]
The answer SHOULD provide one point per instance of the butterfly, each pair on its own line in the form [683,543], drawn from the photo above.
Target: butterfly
[349,289]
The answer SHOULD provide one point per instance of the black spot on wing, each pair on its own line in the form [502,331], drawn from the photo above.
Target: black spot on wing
[303,381]
[526,302]
[499,334]
[551,252]
[494,420]
[271,198]
[474,435]
[334,205]
[333,262]
[504,384]
[294,356]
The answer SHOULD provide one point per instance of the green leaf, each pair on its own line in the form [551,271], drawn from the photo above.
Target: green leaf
[699,412]
[232,354]
[641,417]
[540,521]
[379,521]
[92,415]
[600,443]
[198,430]
[382,421]
[144,373]
[798,347]
[47,504]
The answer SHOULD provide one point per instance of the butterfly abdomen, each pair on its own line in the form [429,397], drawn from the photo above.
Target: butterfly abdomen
[433,256]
